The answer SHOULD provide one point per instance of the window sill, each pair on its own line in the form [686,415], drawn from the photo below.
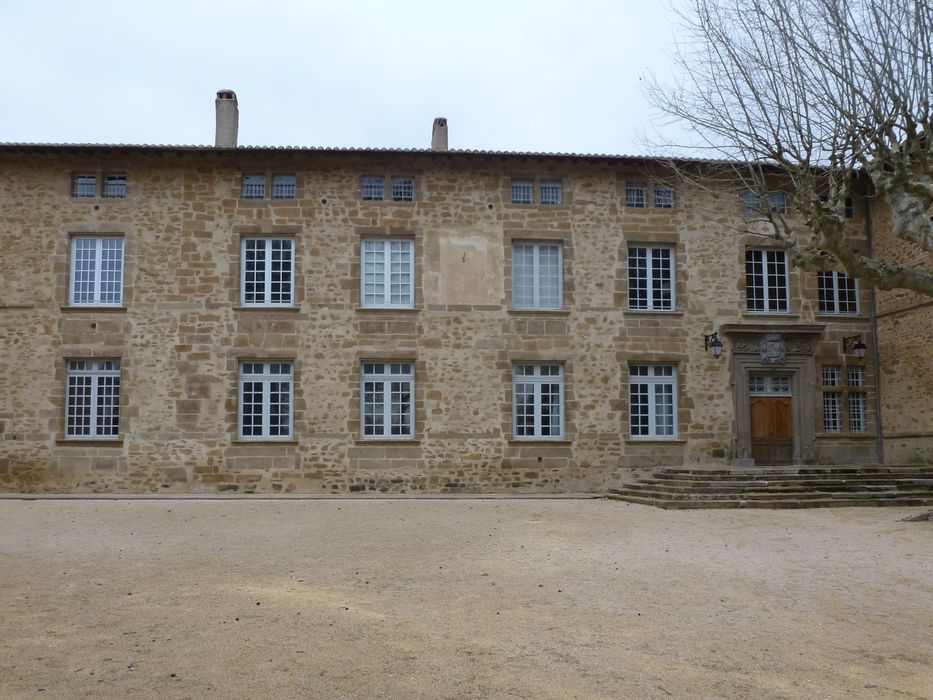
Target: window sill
[387,309]
[770,314]
[846,436]
[93,309]
[385,442]
[653,312]
[263,442]
[91,442]
[539,442]
[540,312]
[655,441]
[856,318]
[269,309]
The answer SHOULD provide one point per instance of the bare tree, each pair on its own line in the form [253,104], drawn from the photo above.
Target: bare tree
[833,96]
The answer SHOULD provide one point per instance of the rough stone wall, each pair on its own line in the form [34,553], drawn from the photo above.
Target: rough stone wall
[182,334]
[905,336]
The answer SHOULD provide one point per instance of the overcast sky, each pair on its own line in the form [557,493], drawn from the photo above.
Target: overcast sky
[516,74]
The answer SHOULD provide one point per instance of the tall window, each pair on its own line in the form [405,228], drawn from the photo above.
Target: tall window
[388,400]
[832,399]
[652,391]
[253,187]
[283,187]
[373,189]
[267,277]
[537,276]
[387,277]
[265,400]
[84,186]
[650,278]
[403,189]
[538,401]
[96,271]
[636,196]
[92,408]
[838,293]
[766,281]
[856,379]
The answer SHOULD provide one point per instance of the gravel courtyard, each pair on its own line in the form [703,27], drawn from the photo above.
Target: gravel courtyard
[460,599]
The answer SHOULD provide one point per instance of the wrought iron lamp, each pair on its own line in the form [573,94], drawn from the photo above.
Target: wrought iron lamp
[855,344]
[713,344]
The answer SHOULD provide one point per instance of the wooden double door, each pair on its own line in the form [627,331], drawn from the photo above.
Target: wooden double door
[771,413]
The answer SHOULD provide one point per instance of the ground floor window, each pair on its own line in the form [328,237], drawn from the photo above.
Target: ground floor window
[652,401]
[265,400]
[93,400]
[836,392]
[387,405]
[538,401]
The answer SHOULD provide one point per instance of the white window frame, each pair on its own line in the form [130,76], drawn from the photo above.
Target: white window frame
[537,380]
[636,196]
[98,266]
[554,190]
[284,186]
[403,189]
[267,273]
[101,375]
[253,187]
[393,371]
[523,191]
[84,186]
[265,377]
[536,304]
[768,293]
[656,376]
[663,197]
[651,303]
[370,186]
[386,274]
[835,288]
[114,186]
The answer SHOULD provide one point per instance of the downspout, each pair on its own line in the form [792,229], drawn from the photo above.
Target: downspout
[879,440]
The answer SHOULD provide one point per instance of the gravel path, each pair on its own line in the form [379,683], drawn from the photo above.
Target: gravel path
[461,599]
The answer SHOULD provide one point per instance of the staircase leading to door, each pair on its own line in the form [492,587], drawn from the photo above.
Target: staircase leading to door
[782,487]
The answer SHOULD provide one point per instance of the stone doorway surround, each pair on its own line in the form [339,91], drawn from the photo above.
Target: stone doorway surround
[784,348]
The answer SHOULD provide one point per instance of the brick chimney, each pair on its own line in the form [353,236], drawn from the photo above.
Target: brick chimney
[439,134]
[228,119]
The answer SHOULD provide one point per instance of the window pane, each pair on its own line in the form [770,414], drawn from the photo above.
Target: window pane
[856,412]
[78,419]
[84,271]
[254,271]
[373,273]
[524,400]
[661,279]
[831,412]
[111,270]
[400,273]
[549,277]
[638,278]
[523,280]
[280,288]
[638,409]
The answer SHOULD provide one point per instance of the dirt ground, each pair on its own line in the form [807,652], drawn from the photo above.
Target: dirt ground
[460,599]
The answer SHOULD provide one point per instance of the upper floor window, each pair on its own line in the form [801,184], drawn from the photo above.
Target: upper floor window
[538,402]
[651,278]
[663,197]
[838,293]
[267,277]
[83,186]
[523,192]
[403,189]
[96,271]
[636,196]
[537,276]
[849,208]
[115,186]
[652,401]
[552,192]
[374,189]
[265,401]
[283,187]
[92,403]
[387,275]
[753,202]
[766,281]
[253,187]
[388,400]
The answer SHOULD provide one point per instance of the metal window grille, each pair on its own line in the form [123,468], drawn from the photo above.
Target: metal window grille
[832,412]
[84,186]
[373,189]
[115,186]
[387,390]
[523,192]
[766,281]
[253,187]
[387,278]
[283,187]
[265,401]
[650,278]
[537,401]
[403,189]
[769,384]
[636,196]
[838,293]
[856,412]
[96,271]
[663,197]
[92,405]
[267,277]
[652,401]
[552,192]
[537,276]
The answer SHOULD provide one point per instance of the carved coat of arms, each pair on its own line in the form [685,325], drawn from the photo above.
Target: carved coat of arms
[772,349]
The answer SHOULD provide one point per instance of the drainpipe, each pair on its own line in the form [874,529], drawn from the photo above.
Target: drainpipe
[879,441]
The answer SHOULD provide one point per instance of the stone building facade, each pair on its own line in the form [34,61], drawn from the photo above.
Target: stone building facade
[196,319]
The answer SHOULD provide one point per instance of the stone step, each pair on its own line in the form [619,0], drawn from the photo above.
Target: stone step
[774,504]
[791,476]
[767,495]
[782,486]
[826,469]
